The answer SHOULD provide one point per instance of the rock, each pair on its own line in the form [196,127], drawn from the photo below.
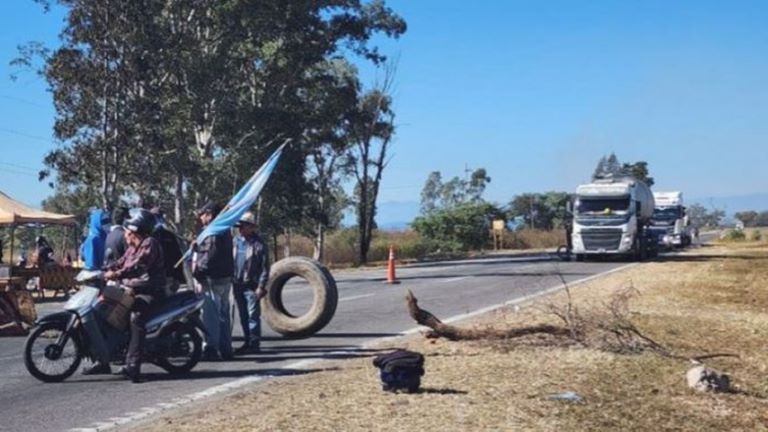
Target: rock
[568,396]
[704,379]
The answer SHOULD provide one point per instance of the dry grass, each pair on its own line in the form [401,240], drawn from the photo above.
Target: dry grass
[710,299]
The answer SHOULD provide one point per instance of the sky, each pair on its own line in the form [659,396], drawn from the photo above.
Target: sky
[535,92]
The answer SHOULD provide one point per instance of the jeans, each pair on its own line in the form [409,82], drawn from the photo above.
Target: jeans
[99,347]
[249,308]
[216,316]
[139,311]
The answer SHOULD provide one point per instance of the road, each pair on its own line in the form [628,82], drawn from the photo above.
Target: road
[368,310]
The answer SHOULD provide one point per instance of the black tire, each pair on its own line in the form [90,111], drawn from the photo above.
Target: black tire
[29,357]
[323,306]
[181,335]
[563,253]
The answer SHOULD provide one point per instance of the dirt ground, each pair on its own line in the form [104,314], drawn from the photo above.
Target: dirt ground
[710,299]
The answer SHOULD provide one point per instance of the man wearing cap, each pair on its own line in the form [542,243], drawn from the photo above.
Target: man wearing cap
[212,268]
[251,274]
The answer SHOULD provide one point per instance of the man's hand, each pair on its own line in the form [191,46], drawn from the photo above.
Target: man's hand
[129,291]
[109,275]
[260,293]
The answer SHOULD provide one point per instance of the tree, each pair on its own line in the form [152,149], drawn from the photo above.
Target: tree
[430,193]
[748,218]
[638,170]
[179,102]
[461,228]
[762,219]
[700,217]
[372,128]
[455,192]
[539,211]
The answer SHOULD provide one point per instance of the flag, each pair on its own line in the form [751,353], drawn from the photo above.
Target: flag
[240,202]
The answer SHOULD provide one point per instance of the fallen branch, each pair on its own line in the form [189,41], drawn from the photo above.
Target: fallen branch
[440,329]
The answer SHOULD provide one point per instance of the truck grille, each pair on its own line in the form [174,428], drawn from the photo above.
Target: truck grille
[608,239]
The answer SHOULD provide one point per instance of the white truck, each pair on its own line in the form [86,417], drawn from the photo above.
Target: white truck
[611,217]
[670,223]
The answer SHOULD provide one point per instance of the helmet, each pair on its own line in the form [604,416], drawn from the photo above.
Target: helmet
[141,222]
[248,218]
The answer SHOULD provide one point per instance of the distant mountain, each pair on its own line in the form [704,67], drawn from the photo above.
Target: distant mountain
[391,215]
[735,203]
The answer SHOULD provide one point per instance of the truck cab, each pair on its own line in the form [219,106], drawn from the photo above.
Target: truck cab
[669,223]
[610,217]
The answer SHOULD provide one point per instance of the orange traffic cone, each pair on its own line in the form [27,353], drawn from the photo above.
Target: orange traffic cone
[391,278]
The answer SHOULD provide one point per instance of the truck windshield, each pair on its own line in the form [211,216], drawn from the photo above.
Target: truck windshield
[602,205]
[666,213]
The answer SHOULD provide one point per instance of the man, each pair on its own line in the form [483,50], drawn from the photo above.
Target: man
[172,253]
[251,275]
[115,243]
[92,249]
[142,271]
[212,268]
[44,252]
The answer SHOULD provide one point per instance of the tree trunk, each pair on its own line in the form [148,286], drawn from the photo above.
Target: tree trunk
[178,202]
[319,243]
[287,245]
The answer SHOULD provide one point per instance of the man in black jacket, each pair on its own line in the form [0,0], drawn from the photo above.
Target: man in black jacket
[115,246]
[212,267]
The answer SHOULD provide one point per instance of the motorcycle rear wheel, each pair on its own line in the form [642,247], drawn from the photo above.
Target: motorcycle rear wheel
[185,348]
[59,366]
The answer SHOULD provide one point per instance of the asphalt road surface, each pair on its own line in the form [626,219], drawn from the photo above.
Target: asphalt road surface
[368,310]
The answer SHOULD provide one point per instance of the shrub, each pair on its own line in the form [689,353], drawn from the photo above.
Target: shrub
[756,235]
[733,235]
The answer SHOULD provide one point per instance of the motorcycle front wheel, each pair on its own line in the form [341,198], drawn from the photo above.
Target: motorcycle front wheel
[184,348]
[47,358]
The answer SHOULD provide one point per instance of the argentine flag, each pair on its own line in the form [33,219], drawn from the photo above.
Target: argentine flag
[240,202]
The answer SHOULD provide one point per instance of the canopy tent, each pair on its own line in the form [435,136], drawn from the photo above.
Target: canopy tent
[13,212]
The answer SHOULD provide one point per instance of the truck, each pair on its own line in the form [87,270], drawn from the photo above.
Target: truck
[669,222]
[611,217]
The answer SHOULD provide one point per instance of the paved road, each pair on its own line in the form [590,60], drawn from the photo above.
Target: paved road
[368,310]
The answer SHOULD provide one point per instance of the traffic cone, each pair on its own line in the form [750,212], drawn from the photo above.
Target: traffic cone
[391,278]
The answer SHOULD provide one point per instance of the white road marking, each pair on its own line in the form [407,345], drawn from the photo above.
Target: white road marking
[456,279]
[158,408]
[356,297]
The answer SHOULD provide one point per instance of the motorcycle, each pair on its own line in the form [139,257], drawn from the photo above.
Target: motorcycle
[59,341]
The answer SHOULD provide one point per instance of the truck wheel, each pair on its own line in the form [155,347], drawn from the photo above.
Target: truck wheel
[323,305]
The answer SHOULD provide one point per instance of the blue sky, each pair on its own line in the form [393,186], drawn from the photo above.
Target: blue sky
[533,91]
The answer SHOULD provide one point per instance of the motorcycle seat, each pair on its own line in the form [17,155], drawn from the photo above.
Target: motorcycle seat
[180,299]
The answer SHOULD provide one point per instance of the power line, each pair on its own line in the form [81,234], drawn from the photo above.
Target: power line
[25,135]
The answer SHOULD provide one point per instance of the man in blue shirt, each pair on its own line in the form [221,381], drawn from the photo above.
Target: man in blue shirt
[251,274]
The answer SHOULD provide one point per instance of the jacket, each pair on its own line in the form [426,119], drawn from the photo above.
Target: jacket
[171,252]
[214,258]
[142,268]
[115,244]
[255,268]
[92,250]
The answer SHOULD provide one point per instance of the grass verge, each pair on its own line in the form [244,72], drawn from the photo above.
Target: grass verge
[710,299]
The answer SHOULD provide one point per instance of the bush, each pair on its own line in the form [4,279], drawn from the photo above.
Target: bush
[756,235]
[733,235]
[462,228]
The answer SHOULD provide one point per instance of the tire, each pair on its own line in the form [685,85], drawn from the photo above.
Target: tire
[323,307]
[181,335]
[563,253]
[29,356]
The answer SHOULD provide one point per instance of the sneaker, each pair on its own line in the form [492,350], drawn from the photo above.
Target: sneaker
[98,369]
[245,349]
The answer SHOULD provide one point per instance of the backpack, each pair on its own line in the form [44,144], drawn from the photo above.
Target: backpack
[400,370]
